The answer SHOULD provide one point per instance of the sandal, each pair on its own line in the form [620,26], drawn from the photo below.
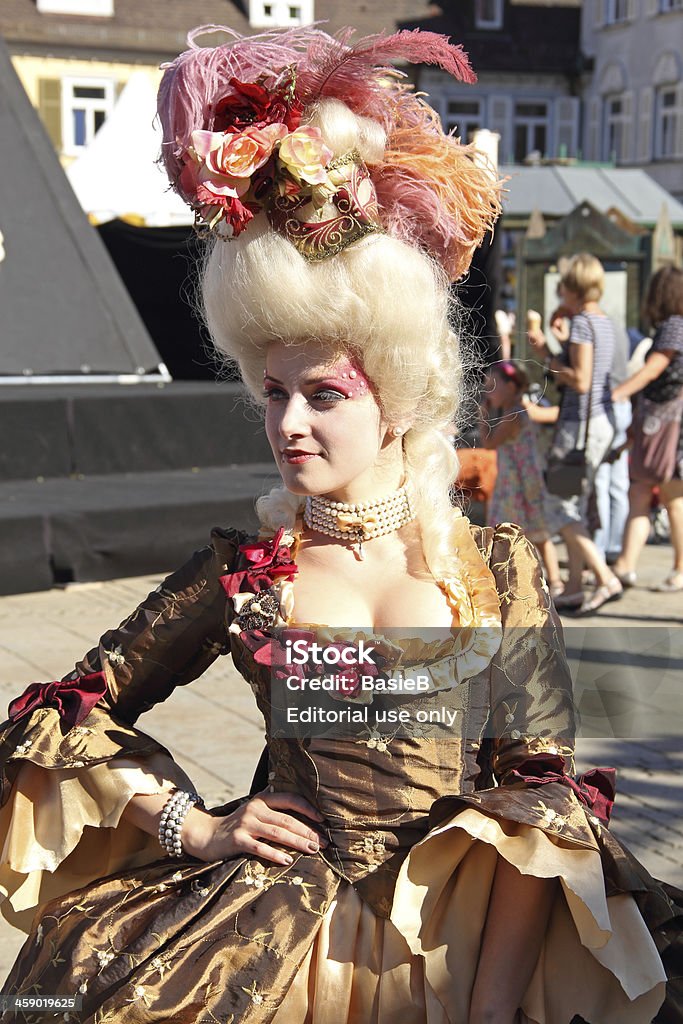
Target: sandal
[555,589]
[603,594]
[671,585]
[569,601]
[627,579]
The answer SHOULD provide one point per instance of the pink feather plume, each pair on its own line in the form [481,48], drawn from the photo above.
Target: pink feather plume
[430,191]
[335,67]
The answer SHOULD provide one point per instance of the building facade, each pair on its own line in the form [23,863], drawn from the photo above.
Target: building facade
[528,61]
[633,98]
[75,56]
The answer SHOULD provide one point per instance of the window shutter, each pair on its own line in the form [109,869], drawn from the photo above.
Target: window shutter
[566,141]
[627,133]
[594,132]
[647,99]
[50,108]
[500,112]
[600,12]
[631,10]
[679,120]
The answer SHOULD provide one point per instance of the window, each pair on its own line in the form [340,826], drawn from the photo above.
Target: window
[670,5]
[615,11]
[666,124]
[615,128]
[488,13]
[530,128]
[86,102]
[465,117]
[280,13]
[98,8]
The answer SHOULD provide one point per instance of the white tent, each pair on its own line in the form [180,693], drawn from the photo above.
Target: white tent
[117,175]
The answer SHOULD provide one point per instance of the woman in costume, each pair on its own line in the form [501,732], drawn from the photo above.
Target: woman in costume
[390,873]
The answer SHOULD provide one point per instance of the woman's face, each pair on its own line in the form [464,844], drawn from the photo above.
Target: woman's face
[325,427]
[571,301]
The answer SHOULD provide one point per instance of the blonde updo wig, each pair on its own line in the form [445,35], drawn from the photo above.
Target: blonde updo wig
[382,301]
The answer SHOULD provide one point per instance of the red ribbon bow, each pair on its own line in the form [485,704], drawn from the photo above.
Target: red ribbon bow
[74,700]
[595,789]
[269,561]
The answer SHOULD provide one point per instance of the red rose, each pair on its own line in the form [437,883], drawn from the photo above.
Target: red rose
[255,105]
[236,213]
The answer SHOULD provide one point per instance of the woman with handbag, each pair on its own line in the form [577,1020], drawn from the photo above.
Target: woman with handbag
[585,426]
[657,454]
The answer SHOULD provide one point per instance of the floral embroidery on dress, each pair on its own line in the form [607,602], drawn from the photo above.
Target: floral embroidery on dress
[255,874]
[510,712]
[371,849]
[378,741]
[254,994]
[551,818]
[141,993]
[104,957]
[115,656]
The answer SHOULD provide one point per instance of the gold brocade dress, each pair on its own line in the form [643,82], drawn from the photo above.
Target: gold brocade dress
[385,923]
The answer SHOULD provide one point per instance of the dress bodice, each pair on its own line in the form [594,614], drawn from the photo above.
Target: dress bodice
[376,779]
[490,683]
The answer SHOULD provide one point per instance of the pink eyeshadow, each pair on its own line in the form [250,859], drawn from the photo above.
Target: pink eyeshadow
[351,380]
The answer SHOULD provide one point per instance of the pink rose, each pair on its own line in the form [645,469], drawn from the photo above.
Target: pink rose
[305,155]
[237,155]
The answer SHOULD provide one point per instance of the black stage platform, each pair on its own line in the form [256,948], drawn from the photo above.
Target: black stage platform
[98,482]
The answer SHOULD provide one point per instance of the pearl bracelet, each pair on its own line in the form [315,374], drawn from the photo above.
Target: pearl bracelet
[172,818]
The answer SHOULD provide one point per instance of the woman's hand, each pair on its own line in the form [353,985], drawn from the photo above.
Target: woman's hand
[537,340]
[211,838]
[560,324]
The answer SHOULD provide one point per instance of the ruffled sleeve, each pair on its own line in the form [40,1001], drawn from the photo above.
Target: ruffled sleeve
[71,756]
[530,730]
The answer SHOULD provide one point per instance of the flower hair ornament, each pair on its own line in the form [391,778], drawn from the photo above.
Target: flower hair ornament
[238,142]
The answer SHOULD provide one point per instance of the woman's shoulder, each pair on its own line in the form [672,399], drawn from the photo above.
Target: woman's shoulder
[670,333]
[591,325]
[206,565]
[226,541]
[518,576]
[581,328]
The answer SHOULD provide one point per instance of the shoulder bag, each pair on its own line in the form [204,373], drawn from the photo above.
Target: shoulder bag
[565,474]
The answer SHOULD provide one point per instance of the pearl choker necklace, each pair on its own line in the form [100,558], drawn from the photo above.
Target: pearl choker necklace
[355,523]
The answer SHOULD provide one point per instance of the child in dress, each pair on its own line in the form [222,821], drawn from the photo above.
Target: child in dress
[519,495]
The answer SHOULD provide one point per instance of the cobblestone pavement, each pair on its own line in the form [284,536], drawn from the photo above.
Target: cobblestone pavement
[215,732]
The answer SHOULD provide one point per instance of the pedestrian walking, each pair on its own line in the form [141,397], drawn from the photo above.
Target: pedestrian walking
[657,455]
[585,424]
